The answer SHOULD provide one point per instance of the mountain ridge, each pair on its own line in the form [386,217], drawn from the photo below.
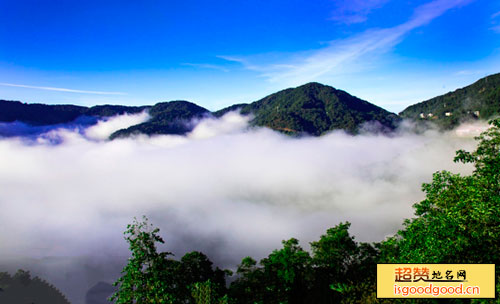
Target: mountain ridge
[39,114]
[312,109]
[481,99]
[173,117]
[315,109]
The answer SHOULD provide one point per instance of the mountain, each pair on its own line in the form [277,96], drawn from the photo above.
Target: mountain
[42,114]
[478,100]
[314,109]
[174,117]
[309,109]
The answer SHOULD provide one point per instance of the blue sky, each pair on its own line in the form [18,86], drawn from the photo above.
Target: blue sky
[216,53]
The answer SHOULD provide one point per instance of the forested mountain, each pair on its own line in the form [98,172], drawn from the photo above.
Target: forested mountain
[175,117]
[42,114]
[478,100]
[315,109]
[309,109]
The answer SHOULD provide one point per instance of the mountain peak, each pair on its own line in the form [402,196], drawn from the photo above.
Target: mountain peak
[315,109]
[170,117]
[313,84]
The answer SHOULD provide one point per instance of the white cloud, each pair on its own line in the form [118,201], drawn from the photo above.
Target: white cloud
[496,28]
[355,11]
[230,123]
[60,89]
[207,66]
[104,128]
[224,189]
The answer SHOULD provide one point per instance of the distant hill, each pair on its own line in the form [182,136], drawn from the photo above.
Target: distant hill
[42,114]
[22,288]
[315,109]
[174,117]
[478,100]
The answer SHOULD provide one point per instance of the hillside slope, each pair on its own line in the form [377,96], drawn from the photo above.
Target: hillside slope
[174,117]
[315,109]
[478,100]
[43,114]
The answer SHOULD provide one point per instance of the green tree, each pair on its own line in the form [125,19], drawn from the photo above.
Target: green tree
[195,267]
[284,277]
[287,272]
[248,288]
[148,276]
[152,277]
[203,293]
[341,264]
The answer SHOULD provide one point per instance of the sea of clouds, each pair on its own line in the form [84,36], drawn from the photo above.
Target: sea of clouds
[230,191]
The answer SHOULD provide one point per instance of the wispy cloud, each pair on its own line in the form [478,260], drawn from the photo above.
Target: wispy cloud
[342,55]
[60,89]
[207,66]
[355,11]
[468,72]
[496,28]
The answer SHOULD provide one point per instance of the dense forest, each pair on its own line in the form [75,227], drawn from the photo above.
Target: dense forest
[314,109]
[478,100]
[173,117]
[457,222]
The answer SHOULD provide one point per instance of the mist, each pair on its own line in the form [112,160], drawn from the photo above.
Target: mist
[225,189]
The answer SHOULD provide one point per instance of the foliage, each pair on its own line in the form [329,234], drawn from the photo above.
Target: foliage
[195,267]
[202,293]
[287,272]
[147,276]
[341,264]
[283,277]
[291,275]
[152,277]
